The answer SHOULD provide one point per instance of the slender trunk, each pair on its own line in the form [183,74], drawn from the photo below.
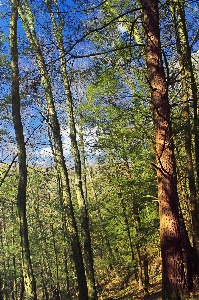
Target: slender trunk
[135,224]
[64,229]
[178,8]
[4,245]
[140,275]
[184,55]
[68,293]
[84,218]
[44,250]
[146,271]
[45,273]
[29,280]
[187,251]
[22,288]
[174,285]
[56,256]
[83,160]
[126,222]
[15,290]
[28,23]
[44,288]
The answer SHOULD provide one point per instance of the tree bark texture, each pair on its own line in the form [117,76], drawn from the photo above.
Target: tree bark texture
[28,277]
[174,283]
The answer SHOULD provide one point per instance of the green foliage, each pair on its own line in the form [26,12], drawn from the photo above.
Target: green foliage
[121,180]
[107,83]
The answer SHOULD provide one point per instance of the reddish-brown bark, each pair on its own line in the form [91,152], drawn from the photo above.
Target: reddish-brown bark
[175,245]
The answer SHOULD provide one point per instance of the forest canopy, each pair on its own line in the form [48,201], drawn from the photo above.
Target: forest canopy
[99,161]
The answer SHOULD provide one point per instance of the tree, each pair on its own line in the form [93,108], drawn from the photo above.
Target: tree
[28,276]
[84,218]
[189,89]
[83,67]
[177,278]
[28,23]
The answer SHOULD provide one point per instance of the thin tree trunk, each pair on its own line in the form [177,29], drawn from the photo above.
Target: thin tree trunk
[135,225]
[64,229]
[22,288]
[140,275]
[15,290]
[83,160]
[28,23]
[174,285]
[44,288]
[4,244]
[43,252]
[184,56]
[146,271]
[190,78]
[68,293]
[56,257]
[84,218]
[29,280]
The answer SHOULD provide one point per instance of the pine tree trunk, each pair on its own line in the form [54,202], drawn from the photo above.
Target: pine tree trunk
[29,280]
[174,285]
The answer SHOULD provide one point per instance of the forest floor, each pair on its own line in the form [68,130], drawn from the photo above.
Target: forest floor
[155,291]
[131,294]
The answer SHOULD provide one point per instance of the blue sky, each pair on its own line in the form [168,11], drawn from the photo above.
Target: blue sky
[31,116]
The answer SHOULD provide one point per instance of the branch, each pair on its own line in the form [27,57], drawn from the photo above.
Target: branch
[9,167]
[99,29]
[104,52]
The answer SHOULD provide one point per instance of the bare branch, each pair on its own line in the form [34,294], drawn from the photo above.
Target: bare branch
[100,28]
[105,52]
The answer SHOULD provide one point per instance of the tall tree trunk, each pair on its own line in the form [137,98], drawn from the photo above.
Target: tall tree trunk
[83,160]
[64,231]
[28,23]
[190,78]
[84,218]
[29,280]
[56,257]
[174,285]
[184,57]
[14,291]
